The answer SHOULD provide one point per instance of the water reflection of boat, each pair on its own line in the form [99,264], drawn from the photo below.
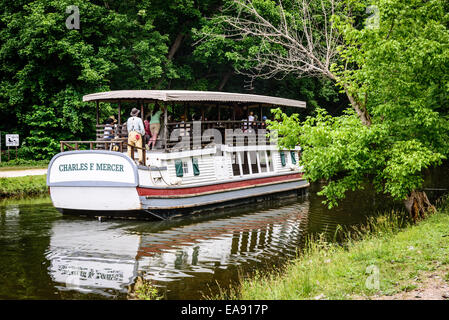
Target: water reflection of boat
[92,257]
[107,256]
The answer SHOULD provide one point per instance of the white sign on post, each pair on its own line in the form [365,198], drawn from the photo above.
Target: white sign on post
[12,140]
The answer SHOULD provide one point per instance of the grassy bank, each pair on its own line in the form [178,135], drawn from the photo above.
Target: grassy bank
[23,186]
[34,200]
[387,256]
[21,164]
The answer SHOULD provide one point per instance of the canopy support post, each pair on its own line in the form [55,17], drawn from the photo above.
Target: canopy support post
[119,112]
[165,126]
[141,110]
[98,112]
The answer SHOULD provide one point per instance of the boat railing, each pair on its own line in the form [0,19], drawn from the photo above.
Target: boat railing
[133,150]
[118,130]
[177,136]
[120,145]
[101,144]
[191,135]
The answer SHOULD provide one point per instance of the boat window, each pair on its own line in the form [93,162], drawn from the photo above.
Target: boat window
[235,164]
[245,162]
[253,162]
[185,167]
[263,161]
[239,165]
[270,161]
[266,164]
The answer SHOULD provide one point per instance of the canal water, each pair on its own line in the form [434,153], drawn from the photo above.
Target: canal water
[44,255]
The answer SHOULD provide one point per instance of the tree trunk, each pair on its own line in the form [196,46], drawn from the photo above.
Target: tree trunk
[361,110]
[224,80]
[175,46]
[358,107]
[418,205]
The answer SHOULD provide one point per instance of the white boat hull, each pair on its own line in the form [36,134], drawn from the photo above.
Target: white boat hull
[96,198]
[103,183]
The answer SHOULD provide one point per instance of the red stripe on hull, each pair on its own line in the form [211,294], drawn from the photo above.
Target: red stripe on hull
[216,187]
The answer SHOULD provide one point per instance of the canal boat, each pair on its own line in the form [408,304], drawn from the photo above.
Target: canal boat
[213,149]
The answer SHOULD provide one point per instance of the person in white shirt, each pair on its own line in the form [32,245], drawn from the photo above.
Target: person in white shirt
[250,121]
[108,130]
[136,132]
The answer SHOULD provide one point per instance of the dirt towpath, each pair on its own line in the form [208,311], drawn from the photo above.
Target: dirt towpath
[22,173]
[427,286]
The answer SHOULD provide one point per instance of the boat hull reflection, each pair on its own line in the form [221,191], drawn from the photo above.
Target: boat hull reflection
[106,257]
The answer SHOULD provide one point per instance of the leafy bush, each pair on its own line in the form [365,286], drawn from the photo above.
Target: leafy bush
[23,186]
[24,163]
[45,134]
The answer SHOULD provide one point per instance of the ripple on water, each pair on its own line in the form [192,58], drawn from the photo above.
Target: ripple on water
[70,257]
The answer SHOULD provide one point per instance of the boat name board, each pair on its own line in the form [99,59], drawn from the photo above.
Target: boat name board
[92,166]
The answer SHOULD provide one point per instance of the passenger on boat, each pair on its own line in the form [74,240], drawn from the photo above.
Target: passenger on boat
[251,120]
[136,131]
[263,125]
[184,128]
[248,123]
[111,132]
[108,131]
[146,124]
[155,125]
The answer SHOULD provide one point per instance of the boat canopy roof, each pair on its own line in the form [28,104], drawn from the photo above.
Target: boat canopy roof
[191,96]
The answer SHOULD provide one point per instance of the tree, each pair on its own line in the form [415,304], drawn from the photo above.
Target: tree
[289,37]
[43,63]
[136,44]
[119,45]
[395,74]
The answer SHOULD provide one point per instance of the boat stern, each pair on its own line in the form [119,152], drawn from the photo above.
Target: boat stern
[93,180]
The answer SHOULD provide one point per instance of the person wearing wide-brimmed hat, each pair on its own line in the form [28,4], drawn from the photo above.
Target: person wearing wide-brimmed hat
[136,131]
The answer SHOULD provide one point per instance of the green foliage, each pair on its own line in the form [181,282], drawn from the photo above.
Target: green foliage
[21,163]
[218,47]
[400,72]
[23,186]
[399,251]
[349,154]
[45,68]
[43,142]
[145,290]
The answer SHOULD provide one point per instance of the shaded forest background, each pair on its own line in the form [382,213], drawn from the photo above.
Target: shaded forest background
[46,68]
